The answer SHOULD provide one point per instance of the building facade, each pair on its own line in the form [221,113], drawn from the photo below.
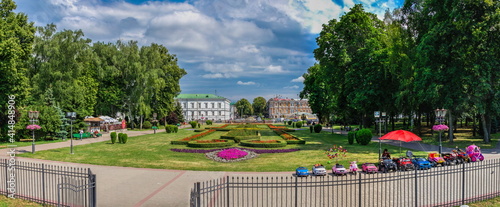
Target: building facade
[204,107]
[287,108]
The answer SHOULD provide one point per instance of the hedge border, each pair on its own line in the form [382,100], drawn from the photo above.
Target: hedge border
[195,144]
[248,143]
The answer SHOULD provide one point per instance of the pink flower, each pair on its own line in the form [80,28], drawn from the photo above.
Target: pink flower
[440,127]
[230,154]
[33,127]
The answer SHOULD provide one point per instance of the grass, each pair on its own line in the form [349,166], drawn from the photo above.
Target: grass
[22,144]
[153,151]
[494,202]
[10,202]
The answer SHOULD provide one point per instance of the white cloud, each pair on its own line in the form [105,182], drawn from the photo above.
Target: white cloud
[300,79]
[245,83]
[274,69]
[291,87]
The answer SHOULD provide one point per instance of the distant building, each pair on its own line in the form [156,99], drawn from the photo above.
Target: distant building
[287,108]
[204,107]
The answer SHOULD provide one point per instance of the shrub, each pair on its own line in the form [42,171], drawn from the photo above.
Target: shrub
[199,125]
[193,124]
[113,137]
[311,128]
[210,143]
[125,138]
[264,144]
[350,137]
[290,122]
[120,137]
[176,128]
[208,122]
[147,125]
[318,128]
[169,129]
[298,124]
[364,136]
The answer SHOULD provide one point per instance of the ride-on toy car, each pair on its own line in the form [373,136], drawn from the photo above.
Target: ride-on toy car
[387,165]
[353,167]
[450,158]
[474,153]
[302,172]
[318,169]
[421,163]
[339,169]
[435,159]
[404,164]
[462,156]
[369,168]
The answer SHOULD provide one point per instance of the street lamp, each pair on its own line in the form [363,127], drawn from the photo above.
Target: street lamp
[380,120]
[33,115]
[72,117]
[440,116]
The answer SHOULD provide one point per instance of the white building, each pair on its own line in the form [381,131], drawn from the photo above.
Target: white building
[204,107]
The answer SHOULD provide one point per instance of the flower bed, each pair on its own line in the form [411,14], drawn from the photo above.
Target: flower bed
[210,143]
[290,139]
[258,151]
[231,155]
[191,138]
[264,143]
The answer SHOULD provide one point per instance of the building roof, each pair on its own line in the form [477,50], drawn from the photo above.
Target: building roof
[199,96]
[93,120]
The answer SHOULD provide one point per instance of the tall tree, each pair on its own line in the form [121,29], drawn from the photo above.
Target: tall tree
[243,107]
[316,91]
[259,106]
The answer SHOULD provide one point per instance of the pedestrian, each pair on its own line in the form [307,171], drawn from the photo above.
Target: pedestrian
[386,154]
[81,134]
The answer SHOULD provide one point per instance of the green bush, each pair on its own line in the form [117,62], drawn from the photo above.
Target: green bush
[298,124]
[311,128]
[318,128]
[146,125]
[200,130]
[350,137]
[248,143]
[168,128]
[364,136]
[125,138]
[238,139]
[210,145]
[208,122]
[193,124]
[120,137]
[176,128]
[113,137]
[290,122]
[199,125]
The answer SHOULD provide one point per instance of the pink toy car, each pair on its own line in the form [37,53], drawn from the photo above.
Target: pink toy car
[369,168]
[353,168]
[435,159]
[339,169]
[474,153]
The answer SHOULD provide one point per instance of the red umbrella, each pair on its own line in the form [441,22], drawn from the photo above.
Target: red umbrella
[401,135]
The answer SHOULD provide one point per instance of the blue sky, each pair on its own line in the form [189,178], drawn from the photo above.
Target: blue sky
[235,48]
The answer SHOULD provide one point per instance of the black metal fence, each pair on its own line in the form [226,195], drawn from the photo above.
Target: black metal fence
[48,184]
[441,186]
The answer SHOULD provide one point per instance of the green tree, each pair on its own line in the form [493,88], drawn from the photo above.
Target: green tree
[316,91]
[244,108]
[259,106]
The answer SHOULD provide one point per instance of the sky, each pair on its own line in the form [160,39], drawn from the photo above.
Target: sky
[232,48]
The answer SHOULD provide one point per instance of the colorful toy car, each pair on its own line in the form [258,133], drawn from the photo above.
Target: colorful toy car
[435,159]
[474,153]
[318,169]
[462,156]
[338,169]
[387,165]
[404,164]
[369,168]
[302,172]
[450,158]
[421,163]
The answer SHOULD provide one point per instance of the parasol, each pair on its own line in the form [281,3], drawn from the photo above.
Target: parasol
[401,135]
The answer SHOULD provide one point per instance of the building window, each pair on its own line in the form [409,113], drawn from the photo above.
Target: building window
[213,105]
[199,105]
[220,106]
[206,105]
[192,105]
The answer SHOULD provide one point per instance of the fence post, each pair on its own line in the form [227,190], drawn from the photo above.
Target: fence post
[5,162]
[463,183]
[43,182]
[416,187]
[227,191]
[360,200]
[296,191]
[198,194]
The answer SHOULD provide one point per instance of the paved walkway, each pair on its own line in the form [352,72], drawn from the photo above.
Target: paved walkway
[126,186]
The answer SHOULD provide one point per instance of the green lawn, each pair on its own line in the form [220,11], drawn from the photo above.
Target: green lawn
[10,202]
[153,151]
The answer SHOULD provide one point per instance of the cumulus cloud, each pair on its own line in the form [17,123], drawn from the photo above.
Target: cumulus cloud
[300,79]
[291,87]
[245,83]
[274,69]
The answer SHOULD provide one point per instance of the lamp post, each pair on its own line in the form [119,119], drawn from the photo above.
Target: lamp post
[440,116]
[380,119]
[72,117]
[33,115]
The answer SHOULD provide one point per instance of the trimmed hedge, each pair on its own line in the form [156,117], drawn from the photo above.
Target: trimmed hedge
[193,124]
[318,128]
[113,137]
[208,122]
[120,137]
[146,125]
[238,139]
[171,129]
[210,145]
[298,124]
[290,122]
[248,143]
[364,136]
[200,130]
[125,138]
[350,137]
[298,141]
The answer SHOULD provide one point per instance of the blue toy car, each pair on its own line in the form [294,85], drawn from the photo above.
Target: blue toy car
[421,163]
[302,172]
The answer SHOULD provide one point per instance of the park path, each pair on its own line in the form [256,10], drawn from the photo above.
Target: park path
[127,186]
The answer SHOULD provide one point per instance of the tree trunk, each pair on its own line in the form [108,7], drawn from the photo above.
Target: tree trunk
[486,135]
[140,126]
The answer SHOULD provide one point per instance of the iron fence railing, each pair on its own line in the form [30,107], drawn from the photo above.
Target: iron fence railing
[48,184]
[440,186]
